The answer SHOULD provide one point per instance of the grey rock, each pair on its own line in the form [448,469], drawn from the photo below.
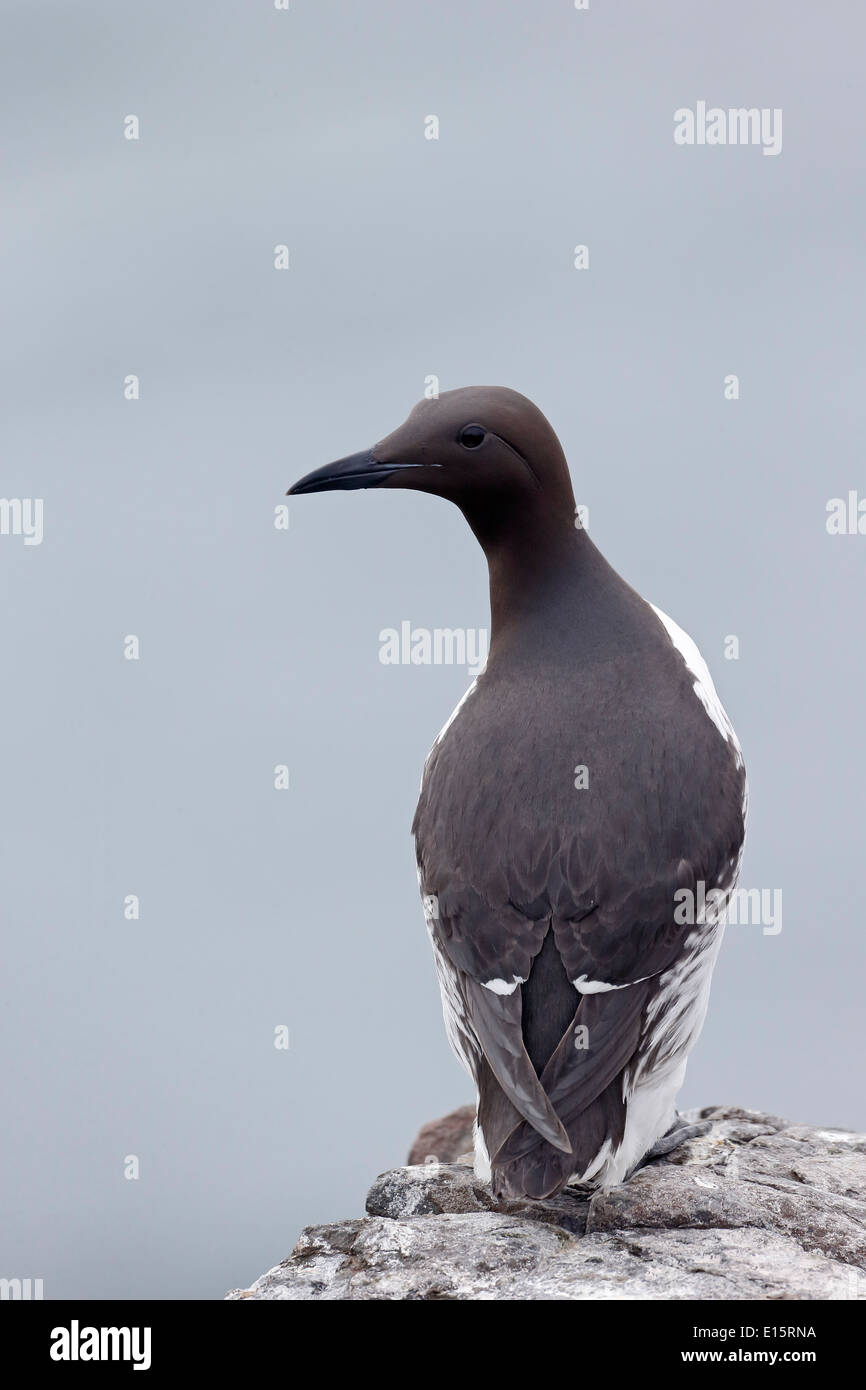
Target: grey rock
[447,1139]
[756,1208]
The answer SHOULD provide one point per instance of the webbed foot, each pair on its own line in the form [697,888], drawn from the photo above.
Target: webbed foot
[680,1132]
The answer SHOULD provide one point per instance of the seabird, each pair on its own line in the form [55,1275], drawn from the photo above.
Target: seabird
[574,978]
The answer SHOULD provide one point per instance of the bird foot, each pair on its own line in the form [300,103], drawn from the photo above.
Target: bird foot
[679,1133]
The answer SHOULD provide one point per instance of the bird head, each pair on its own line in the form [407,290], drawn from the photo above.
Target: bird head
[486,448]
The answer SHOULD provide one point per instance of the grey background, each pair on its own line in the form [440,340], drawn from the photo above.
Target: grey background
[258,647]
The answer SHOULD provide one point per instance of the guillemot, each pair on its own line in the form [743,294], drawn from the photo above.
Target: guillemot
[572,987]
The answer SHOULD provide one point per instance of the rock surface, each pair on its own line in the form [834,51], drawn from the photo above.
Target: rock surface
[757,1208]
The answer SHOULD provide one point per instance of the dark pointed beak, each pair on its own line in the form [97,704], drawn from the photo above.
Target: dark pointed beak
[358,470]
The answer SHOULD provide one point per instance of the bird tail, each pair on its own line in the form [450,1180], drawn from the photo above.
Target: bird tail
[584,1085]
[525,1165]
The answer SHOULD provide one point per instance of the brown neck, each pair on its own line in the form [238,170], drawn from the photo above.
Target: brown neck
[542,572]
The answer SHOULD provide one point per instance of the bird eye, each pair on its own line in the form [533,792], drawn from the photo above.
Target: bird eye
[471,436]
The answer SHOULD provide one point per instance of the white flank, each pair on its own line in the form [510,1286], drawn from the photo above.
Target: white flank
[482,1157]
[704,688]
